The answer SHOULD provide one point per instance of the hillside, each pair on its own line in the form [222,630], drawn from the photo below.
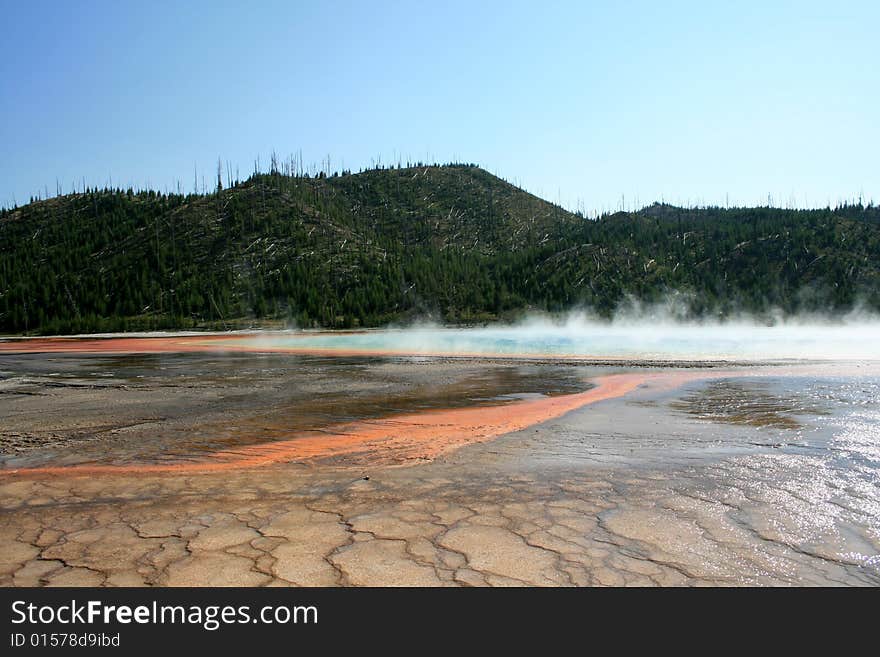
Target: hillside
[365,249]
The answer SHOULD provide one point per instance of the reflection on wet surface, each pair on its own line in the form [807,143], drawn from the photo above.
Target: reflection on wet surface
[749,402]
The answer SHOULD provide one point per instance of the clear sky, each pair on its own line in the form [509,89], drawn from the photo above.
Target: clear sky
[592,104]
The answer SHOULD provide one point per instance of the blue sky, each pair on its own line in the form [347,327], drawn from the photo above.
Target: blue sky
[591,104]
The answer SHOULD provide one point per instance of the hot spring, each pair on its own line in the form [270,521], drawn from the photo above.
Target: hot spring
[589,340]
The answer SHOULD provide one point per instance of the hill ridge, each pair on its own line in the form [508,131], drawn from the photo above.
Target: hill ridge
[363,249]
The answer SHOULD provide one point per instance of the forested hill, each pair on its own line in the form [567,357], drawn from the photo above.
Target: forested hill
[452,242]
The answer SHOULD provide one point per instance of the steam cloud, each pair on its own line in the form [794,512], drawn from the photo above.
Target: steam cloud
[637,332]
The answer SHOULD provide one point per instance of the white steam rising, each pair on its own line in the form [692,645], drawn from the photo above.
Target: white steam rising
[637,332]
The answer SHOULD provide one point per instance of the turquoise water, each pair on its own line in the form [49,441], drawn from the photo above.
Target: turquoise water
[660,342]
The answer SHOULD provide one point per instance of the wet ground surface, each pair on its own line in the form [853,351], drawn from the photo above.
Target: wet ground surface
[754,476]
[66,408]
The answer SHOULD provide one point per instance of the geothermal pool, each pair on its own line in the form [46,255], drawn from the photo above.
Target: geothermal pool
[572,454]
[574,339]
[600,341]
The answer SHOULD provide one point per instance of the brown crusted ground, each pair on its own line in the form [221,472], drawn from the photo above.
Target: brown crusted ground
[255,516]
